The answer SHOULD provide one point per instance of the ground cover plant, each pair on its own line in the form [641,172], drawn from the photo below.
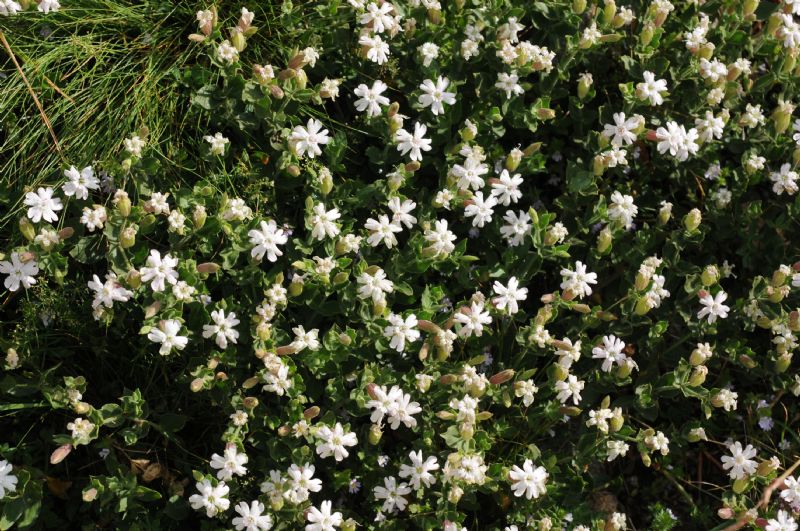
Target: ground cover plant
[386,265]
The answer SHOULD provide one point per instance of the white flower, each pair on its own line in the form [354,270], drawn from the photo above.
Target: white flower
[392,494]
[301,483]
[569,388]
[622,209]
[251,517]
[713,70]
[510,84]
[332,442]
[528,481]
[675,139]
[435,95]
[305,141]
[420,470]
[610,352]
[322,222]
[159,270]
[469,175]
[616,449]
[652,89]
[507,189]
[230,463]
[752,116]
[416,143]
[8,481]
[713,307]
[81,430]
[9,7]
[237,210]
[429,52]
[109,291]
[266,239]
[508,296]
[440,238]
[791,494]
[43,205]
[158,203]
[370,99]
[784,180]
[80,182]
[783,521]
[517,227]
[374,286]
[227,53]
[401,212]
[19,272]
[305,340]
[401,331]
[322,519]
[658,442]
[382,231]
[481,209]
[94,218]
[134,145]
[526,390]
[578,281]
[223,328]
[167,335]
[278,381]
[621,131]
[218,143]
[709,127]
[375,48]
[379,17]
[740,463]
[45,6]
[210,498]
[472,322]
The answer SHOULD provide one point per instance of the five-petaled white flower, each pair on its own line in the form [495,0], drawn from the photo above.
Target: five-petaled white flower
[80,182]
[435,95]
[416,143]
[323,519]
[528,481]
[401,330]
[332,442]
[266,239]
[42,205]
[223,328]
[370,99]
[508,296]
[159,270]
[305,141]
[20,272]
[740,463]
[713,307]
[167,334]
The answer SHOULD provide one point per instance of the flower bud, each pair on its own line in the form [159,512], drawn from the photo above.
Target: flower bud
[89,495]
[455,494]
[127,237]
[740,485]
[82,408]
[60,453]
[284,430]
[617,421]
[250,402]
[646,35]
[379,307]
[571,411]
[545,114]
[710,275]
[295,288]
[749,7]
[502,377]
[692,220]
[199,216]
[27,229]
[250,382]
[276,92]
[448,379]
[646,461]
[208,268]
[604,240]
[747,361]
[774,23]
[197,385]
[466,430]
[765,468]
[698,375]
[578,6]
[624,370]
[642,306]
[584,84]
[375,434]
[238,40]
[276,501]
[445,415]
[609,10]
[513,159]
[349,525]
[783,362]
[133,279]
[344,339]
[581,308]
[599,164]
[293,170]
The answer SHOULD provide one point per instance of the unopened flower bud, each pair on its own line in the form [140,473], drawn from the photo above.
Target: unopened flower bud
[646,35]
[624,370]
[455,494]
[311,413]
[379,307]
[604,240]
[238,40]
[250,402]
[197,385]
[584,84]
[250,382]
[749,7]
[27,229]
[276,92]
[692,220]
[199,216]
[740,485]
[349,525]
[133,279]
[783,362]
[295,288]
[544,113]
[60,453]
[375,434]
[513,159]
[466,430]
[81,408]
[643,306]
[642,281]
[599,164]
[127,237]
[664,213]
[710,275]
[344,339]
[208,268]
[571,411]
[578,6]
[698,375]
[617,421]
[502,377]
